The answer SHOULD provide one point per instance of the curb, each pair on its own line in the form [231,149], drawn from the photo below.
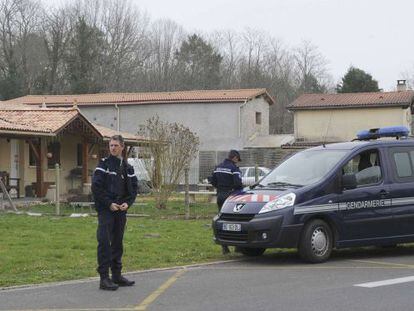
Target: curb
[90,279]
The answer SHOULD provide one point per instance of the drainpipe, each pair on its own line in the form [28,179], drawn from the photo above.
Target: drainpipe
[117,116]
[240,108]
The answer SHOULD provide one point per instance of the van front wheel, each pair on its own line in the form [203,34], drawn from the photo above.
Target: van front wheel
[316,241]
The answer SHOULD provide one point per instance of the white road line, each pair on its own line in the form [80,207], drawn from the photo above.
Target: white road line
[387,282]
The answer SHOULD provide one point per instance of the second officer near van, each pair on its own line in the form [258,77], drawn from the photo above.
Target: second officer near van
[227,179]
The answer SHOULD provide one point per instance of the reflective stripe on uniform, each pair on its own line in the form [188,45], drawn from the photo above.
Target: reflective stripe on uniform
[105,171]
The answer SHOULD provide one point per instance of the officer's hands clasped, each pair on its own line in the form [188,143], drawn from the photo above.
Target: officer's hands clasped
[118,207]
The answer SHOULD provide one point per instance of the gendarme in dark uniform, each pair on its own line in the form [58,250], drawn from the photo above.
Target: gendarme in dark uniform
[114,186]
[227,179]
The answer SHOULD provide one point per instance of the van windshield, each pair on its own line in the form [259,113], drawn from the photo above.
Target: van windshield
[303,168]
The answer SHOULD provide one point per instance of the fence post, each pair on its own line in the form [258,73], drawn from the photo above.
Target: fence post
[57,190]
[187,195]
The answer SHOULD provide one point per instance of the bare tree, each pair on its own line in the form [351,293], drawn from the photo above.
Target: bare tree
[255,43]
[311,69]
[166,38]
[176,147]
[127,43]
[20,49]
[56,31]
[229,44]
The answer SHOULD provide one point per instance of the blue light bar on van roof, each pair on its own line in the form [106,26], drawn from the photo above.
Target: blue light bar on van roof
[388,131]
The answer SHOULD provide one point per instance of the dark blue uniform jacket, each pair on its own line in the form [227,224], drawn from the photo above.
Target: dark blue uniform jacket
[108,186]
[227,177]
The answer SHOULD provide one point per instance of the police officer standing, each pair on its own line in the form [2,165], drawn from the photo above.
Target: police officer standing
[227,179]
[114,186]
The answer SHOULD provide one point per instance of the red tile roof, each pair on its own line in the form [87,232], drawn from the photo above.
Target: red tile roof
[204,96]
[36,120]
[353,100]
[28,120]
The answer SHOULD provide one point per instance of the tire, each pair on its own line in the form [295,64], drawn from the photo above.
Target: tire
[252,252]
[316,242]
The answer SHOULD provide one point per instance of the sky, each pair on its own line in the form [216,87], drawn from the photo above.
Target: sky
[373,35]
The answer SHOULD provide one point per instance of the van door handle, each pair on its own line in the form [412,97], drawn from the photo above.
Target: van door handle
[384,193]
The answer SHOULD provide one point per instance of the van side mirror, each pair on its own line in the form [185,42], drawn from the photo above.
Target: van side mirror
[349,181]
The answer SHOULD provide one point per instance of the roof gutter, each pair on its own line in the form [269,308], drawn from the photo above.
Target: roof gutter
[240,109]
[24,133]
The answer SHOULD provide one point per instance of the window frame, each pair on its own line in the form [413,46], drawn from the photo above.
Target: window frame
[394,173]
[258,118]
[381,164]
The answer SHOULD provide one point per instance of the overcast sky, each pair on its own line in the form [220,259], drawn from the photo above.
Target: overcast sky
[373,35]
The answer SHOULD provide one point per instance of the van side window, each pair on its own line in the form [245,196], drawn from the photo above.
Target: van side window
[402,161]
[366,167]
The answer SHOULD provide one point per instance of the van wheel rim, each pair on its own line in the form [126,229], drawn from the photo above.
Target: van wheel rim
[319,241]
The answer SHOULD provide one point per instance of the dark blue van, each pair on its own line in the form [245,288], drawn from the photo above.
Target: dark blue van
[333,196]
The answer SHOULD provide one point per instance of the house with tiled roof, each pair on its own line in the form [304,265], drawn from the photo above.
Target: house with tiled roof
[33,140]
[222,119]
[338,117]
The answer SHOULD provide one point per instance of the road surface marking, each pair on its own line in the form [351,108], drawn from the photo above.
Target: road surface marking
[387,282]
[392,264]
[154,295]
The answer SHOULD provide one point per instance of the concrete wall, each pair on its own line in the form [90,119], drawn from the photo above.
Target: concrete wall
[249,128]
[216,124]
[343,124]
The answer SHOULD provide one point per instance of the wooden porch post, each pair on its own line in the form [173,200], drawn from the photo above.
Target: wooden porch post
[40,191]
[85,153]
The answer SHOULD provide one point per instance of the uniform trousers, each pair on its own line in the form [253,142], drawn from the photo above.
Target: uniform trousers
[110,233]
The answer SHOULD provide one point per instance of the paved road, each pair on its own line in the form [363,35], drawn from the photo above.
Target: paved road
[276,281]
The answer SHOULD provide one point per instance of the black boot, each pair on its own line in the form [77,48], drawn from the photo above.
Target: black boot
[107,284]
[225,249]
[121,281]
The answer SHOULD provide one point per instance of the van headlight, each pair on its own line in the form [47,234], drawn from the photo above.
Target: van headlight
[279,203]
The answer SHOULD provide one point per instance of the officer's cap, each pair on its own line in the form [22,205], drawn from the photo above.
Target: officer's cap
[234,153]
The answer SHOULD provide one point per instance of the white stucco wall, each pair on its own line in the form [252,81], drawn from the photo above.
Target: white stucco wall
[249,128]
[343,124]
[216,124]
[219,126]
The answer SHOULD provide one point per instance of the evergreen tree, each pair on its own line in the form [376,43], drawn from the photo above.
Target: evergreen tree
[356,81]
[198,64]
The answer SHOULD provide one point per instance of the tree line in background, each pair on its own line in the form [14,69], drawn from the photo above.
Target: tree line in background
[94,46]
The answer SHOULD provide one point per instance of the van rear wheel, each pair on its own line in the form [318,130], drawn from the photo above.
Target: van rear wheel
[251,252]
[316,242]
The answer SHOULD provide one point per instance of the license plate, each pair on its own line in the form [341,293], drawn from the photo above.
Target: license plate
[231,227]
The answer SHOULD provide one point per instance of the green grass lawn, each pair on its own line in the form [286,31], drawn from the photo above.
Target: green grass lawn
[50,248]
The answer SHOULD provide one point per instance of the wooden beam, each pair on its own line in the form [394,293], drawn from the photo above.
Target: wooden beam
[33,147]
[39,169]
[91,149]
[85,158]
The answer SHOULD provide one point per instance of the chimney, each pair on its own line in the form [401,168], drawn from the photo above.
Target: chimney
[401,85]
